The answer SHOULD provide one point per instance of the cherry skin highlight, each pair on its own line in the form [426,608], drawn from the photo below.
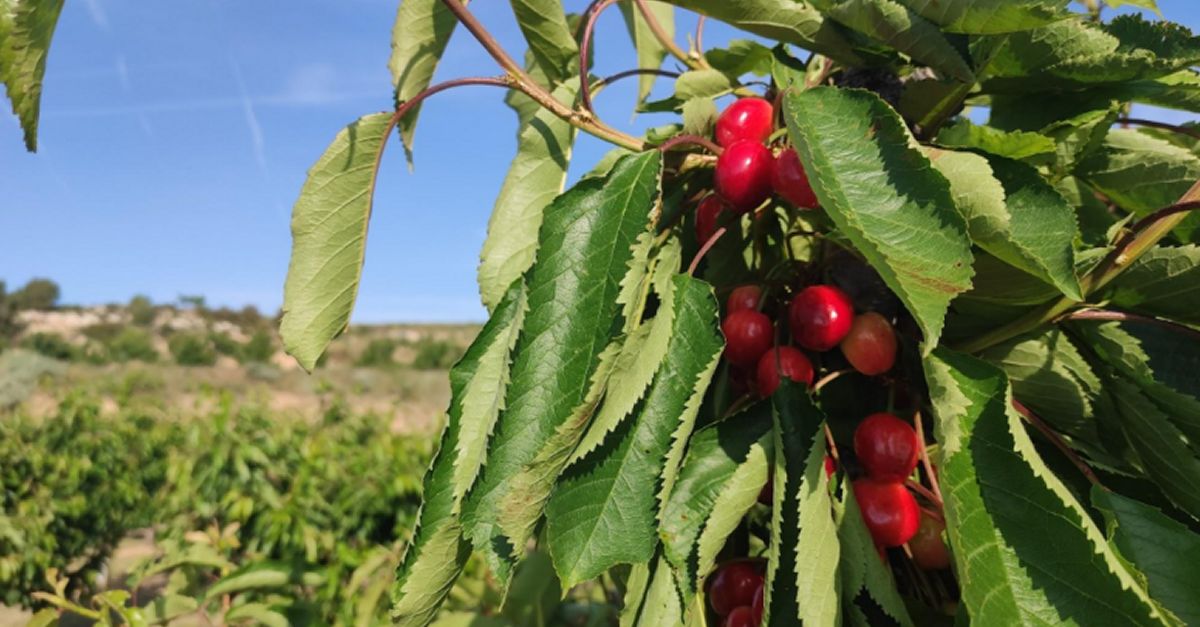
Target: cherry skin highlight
[889,511]
[821,316]
[743,175]
[743,297]
[756,608]
[748,334]
[749,119]
[928,549]
[870,346]
[708,216]
[791,182]
[784,361]
[741,617]
[734,587]
[886,446]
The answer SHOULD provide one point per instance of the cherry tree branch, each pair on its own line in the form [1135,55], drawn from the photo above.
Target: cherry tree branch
[1122,316]
[608,80]
[695,140]
[1182,130]
[712,241]
[585,43]
[925,463]
[667,41]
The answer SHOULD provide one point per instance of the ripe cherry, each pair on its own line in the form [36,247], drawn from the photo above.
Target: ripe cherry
[870,346]
[750,119]
[886,447]
[708,215]
[748,334]
[830,466]
[756,608]
[888,509]
[928,549]
[741,617]
[821,315]
[790,181]
[744,297]
[734,587]
[743,175]
[785,361]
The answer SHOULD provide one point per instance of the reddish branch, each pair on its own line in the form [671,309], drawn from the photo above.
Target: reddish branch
[1057,441]
[1122,316]
[695,140]
[1182,130]
[585,43]
[925,463]
[712,241]
[608,80]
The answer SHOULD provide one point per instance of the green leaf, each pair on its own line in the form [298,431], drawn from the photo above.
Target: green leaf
[550,38]
[585,244]
[478,383]
[419,38]
[650,52]
[803,556]
[44,618]
[861,570]
[699,116]
[782,20]
[1166,552]
[535,592]
[883,195]
[252,577]
[1027,551]
[257,614]
[26,27]
[1019,145]
[899,27]
[702,84]
[989,17]
[651,597]
[740,57]
[605,507]
[725,468]
[536,176]
[329,239]
[1013,213]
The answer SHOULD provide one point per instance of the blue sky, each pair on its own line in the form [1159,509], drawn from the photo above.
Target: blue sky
[175,136]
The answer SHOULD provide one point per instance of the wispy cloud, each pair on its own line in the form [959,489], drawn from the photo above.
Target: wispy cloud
[96,10]
[256,134]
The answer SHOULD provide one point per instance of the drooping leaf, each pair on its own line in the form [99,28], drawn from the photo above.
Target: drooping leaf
[1018,145]
[26,28]
[650,52]
[605,508]
[803,556]
[883,195]
[329,238]
[585,242]
[783,20]
[740,57]
[1027,551]
[419,38]
[544,24]
[899,27]
[1164,551]
[536,176]
[438,549]
[257,614]
[1013,213]
[989,17]
[725,468]
[702,84]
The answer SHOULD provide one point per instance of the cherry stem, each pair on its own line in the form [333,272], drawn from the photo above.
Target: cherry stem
[925,492]
[666,40]
[695,140]
[1122,316]
[582,120]
[925,463]
[704,250]
[585,43]
[1158,216]
[408,105]
[639,71]
[833,449]
[700,33]
[1182,130]
[933,514]
[1057,441]
[829,378]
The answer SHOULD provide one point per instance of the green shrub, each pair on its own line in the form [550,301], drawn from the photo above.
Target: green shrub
[192,349]
[133,344]
[435,355]
[259,348]
[37,294]
[51,345]
[377,354]
[141,311]
[225,345]
[20,371]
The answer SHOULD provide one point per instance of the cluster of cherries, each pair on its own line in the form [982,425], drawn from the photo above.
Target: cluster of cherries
[736,593]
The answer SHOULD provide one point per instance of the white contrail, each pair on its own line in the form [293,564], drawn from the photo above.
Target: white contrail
[256,134]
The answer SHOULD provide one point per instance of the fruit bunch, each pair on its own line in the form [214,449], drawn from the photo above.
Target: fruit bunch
[789,329]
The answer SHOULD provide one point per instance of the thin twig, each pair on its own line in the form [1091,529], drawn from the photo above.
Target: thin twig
[929,473]
[932,513]
[833,449]
[1122,316]
[1057,441]
[608,80]
[704,250]
[585,43]
[695,140]
[829,378]
[1146,222]
[924,491]
[700,34]
[667,41]
[1182,130]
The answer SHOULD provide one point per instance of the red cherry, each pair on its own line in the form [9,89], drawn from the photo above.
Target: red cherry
[928,549]
[741,617]
[708,215]
[790,181]
[870,346]
[744,297]
[756,608]
[821,315]
[743,175]
[886,447]
[734,587]
[748,334]
[750,119]
[784,360]
[889,511]
[830,466]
